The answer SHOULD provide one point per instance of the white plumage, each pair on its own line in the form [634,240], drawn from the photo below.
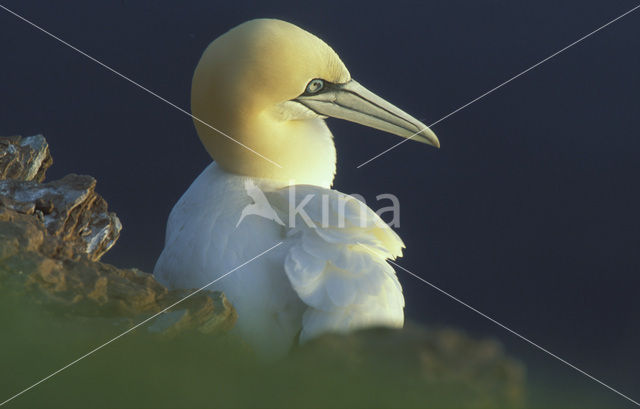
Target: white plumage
[320,279]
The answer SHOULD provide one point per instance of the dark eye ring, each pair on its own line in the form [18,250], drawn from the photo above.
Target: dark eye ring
[314,86]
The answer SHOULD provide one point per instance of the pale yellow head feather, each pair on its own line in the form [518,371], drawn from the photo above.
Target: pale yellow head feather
[239,86]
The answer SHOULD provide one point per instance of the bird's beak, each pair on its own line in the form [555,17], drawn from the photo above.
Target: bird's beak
[353,102]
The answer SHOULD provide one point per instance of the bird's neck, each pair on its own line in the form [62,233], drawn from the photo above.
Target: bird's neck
[303,152]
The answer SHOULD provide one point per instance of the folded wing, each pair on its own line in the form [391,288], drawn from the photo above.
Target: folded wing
[336,261]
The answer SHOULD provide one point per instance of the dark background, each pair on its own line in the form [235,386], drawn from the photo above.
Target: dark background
[529,212]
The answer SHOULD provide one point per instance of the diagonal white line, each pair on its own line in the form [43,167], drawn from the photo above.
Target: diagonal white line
[136,83]
[136,326]
[501,85]
[501,325]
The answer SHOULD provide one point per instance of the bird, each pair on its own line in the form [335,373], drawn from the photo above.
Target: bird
[260,95]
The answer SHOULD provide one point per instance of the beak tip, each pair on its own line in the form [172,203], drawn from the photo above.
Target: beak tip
[430,137]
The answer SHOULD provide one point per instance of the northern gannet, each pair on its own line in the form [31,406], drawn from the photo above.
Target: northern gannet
[269,85]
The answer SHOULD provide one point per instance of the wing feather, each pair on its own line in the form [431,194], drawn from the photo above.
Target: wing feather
[337,263]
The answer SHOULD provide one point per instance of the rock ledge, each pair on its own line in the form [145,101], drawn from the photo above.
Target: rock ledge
[52,236]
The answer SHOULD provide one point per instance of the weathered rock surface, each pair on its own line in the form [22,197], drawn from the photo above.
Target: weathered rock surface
[24,158]
[53,234]
[74,215]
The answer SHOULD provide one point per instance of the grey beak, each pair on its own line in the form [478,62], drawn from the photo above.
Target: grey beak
[353,102]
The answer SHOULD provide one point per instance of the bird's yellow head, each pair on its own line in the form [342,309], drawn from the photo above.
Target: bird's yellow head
[259,97]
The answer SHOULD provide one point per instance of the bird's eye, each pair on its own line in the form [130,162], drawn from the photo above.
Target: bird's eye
[314,86]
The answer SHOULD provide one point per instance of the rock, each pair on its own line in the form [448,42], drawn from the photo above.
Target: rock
[24,159]
[87,288]
[52,236]
[30,260]
[74,215]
